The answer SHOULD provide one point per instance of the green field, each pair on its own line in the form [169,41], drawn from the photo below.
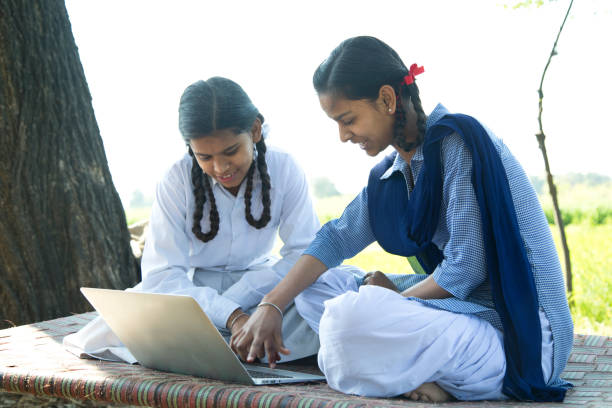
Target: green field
[137,214]
[591,257]
[582,203]
[589,238]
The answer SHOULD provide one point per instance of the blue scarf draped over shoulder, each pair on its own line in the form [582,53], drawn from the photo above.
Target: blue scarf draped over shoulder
[405,226]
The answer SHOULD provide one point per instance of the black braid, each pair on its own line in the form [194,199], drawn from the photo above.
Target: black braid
[421,122]
[265,188]
[201,188]
[400,118]
[400,123]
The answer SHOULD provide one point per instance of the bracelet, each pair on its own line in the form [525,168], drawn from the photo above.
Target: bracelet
[234,320]
[273,305]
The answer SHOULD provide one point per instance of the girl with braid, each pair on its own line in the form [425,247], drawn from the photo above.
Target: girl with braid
[215,218]
[488,318]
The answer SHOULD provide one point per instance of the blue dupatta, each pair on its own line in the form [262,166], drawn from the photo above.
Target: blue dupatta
[406,227]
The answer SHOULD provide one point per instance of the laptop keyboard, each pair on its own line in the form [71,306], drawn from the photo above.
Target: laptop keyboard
[259,374]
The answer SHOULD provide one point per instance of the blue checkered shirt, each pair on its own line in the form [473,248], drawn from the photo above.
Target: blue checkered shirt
[459,236]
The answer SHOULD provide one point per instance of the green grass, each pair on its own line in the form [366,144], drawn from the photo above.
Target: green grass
[591,257]
[581,204]
[374,258]
[582,197]
[137,214]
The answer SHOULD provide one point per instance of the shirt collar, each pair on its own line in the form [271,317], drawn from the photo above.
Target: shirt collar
[436,115]
[399,164]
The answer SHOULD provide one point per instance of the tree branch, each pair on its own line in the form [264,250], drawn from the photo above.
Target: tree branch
[551,185]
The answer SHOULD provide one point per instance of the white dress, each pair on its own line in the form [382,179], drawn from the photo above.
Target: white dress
[235,269]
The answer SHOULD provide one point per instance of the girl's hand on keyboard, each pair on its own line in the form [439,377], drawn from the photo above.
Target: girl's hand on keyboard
[260,336]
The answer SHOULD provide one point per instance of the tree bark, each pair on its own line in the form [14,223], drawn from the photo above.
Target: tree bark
[541,136]
[62,225]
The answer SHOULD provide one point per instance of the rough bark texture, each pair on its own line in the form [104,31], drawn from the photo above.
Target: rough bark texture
[62,225]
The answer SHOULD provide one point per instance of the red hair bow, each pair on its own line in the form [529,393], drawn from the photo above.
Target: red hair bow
[414,71]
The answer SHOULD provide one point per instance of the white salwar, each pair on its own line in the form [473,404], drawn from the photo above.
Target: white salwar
[377,343]
[233,270]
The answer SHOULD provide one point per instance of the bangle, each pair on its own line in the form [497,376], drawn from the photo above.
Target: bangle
[273,305]
[234,320]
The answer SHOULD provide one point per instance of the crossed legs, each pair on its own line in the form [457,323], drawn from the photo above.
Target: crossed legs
[376,343]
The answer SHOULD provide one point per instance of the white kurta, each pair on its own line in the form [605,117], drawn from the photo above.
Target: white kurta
[233,270]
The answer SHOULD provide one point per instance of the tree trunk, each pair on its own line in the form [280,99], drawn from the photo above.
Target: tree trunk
[62,225]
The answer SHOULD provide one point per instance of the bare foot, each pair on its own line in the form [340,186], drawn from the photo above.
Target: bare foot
[429,392]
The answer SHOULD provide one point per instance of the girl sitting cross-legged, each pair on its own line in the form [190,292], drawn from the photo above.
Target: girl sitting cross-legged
[489,319]
[216,214]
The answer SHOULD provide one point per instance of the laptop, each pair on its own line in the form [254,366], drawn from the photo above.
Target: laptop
[172,333]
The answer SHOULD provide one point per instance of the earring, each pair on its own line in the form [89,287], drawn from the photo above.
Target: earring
[389,109]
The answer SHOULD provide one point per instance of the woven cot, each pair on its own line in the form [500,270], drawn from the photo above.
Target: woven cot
[32,361]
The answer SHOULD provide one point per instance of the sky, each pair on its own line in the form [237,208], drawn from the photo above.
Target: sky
[480,59]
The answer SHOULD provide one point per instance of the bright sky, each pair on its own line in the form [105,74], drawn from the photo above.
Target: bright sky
[480,59]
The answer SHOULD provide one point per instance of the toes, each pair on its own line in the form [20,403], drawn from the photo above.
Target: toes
[429,392]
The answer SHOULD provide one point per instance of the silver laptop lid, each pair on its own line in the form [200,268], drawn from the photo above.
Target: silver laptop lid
[169,333]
